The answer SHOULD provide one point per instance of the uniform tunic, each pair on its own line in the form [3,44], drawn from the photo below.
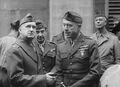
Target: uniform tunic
[108,48]
[79,63]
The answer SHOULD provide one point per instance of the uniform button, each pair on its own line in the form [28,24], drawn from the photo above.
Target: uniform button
[43,63]
[71,63]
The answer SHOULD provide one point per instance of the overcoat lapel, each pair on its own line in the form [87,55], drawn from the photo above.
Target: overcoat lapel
[36,44]
[39,56]
[28,50]
[46,48]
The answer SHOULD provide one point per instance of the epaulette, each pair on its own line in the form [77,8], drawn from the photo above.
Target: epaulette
[52,43]
[88,38]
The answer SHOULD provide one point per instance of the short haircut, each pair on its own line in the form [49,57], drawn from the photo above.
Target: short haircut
[15,25]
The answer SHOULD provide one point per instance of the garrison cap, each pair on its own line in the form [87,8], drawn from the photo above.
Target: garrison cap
[73,17]
[40,24]
[27,18]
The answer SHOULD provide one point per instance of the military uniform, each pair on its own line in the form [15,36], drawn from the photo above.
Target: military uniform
[58,38]
[108,48]
[48,57]
[79,63]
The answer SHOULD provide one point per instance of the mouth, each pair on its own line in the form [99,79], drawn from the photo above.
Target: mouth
[31,33]
[99,25]
[67,33]
[40,38]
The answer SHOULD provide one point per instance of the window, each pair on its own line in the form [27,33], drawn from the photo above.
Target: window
[113,12]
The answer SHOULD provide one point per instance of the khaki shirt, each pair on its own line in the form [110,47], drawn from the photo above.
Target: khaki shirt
[108,48]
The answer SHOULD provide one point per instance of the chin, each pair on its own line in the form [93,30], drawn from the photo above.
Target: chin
[40,41]
[99,27]
[67,36]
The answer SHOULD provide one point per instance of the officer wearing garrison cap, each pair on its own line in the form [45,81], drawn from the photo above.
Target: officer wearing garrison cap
[23,61]
[77,57]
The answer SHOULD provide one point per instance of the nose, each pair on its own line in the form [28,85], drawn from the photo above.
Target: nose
[40,34]
[98,22]
[66,29]
[31,29]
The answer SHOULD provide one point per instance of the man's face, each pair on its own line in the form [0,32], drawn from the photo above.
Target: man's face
[100,22]
[70,29]
[28,30]
[41,35]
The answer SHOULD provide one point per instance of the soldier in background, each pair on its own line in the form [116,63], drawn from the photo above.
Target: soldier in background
[108,44]
[47,49]
[77,55]
[116,29]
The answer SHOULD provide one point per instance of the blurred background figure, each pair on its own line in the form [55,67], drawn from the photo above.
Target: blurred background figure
[7,41]
[116,29]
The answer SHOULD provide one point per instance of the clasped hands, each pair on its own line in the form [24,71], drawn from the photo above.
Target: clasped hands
[50,78]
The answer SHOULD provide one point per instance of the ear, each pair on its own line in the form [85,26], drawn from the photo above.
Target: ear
[19,29]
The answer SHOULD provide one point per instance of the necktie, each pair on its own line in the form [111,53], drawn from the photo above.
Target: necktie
[42,48]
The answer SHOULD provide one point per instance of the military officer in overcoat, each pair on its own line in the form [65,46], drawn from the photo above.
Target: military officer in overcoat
[22,60]
[77,55]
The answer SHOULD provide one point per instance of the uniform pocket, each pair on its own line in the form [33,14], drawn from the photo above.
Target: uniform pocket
[82,53]
[51,54]
[63,55]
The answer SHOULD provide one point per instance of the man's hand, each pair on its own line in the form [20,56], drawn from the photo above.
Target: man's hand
[50,79]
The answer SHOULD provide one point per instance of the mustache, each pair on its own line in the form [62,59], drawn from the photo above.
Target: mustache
[40,37]
[67,32]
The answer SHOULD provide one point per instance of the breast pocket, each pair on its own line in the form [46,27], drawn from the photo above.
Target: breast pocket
[63,55]
[51,54]
[64,60]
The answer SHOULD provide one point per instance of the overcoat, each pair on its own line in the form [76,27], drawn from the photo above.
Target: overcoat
[24,65]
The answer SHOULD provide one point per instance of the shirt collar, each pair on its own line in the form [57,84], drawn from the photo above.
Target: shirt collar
[104,34]
[43,44]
